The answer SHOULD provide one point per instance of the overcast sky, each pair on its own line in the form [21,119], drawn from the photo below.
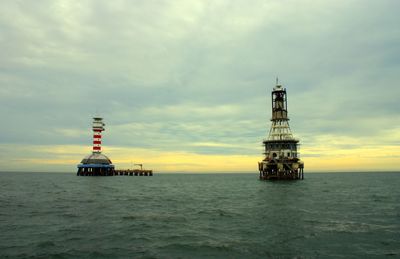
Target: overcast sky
[184,86]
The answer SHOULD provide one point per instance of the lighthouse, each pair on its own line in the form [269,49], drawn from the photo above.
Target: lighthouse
[98,128]
[96,164]
[281,148]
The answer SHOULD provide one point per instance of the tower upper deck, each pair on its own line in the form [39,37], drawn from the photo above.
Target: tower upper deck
[279,104]
[280,130]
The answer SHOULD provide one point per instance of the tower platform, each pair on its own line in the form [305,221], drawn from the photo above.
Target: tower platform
[95,164]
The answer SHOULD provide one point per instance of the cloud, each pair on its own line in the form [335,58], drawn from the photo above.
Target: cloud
[195,76]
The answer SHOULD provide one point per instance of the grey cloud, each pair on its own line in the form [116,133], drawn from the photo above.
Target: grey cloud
[139,62]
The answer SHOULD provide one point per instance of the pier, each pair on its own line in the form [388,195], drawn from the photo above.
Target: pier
[134,172]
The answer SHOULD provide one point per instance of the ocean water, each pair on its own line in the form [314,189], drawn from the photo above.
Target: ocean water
[342,215]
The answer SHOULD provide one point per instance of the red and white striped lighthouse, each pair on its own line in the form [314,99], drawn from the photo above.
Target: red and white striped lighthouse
[96,163]
[98,127]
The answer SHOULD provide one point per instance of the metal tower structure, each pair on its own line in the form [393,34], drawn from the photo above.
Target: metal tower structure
[281,157]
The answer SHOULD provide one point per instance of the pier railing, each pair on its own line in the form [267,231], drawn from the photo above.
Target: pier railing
[133,172]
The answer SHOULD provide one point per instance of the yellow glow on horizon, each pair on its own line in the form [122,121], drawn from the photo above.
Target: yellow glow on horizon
[316,159]
[372,158]
[183,161]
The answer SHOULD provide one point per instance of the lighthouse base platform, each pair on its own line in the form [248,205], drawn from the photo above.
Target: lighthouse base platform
[281,169]
[95,170]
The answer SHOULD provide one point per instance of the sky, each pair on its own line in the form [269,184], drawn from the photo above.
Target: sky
[184,86]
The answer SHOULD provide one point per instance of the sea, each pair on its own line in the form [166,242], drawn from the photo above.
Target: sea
[326,215]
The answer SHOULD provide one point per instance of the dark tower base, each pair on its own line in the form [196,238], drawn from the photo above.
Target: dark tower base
[281,170]
[95,170]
